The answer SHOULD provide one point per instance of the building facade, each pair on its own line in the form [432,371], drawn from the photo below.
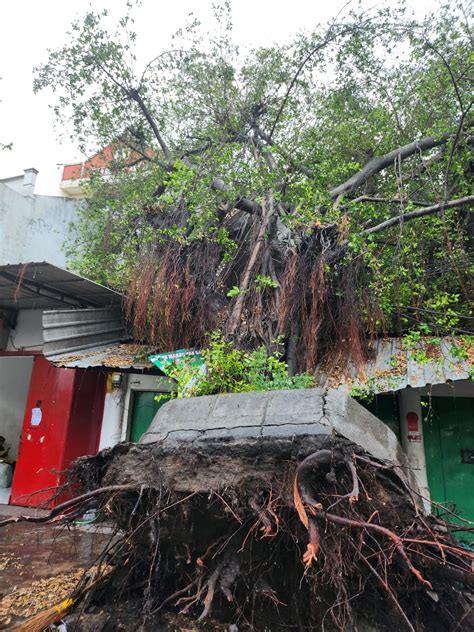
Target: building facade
[51,414]
[424,391]
[34,227]
[101,392]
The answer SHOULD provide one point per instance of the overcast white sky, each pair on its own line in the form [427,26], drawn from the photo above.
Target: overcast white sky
[29,27]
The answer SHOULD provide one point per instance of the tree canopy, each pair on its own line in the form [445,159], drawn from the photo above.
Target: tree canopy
[315,192]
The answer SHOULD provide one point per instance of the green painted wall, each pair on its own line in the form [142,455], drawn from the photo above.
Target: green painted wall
[144,408]
[448,428]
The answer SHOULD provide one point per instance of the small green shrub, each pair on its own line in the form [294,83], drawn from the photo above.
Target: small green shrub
[230,370]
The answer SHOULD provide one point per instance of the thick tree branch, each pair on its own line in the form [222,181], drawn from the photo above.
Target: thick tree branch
[135,95]
[243,204]
[234,318]
[380,163]
[381,200]
[422,212]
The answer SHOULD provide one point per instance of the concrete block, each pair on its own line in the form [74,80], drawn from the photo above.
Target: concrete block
[180,413]
[278,414]
[294,406]
[239,407]
[353,421]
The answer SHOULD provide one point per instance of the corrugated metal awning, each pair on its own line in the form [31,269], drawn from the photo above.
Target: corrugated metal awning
[44,286]
[119,356]
[397,364]
[68,330]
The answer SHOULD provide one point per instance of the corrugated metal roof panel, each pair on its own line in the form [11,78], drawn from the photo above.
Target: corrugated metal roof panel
[68,330]
[44,286]
[119,356]
[397,364]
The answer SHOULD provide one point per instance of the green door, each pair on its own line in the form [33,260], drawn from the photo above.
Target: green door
[385,407]
[144,407]
[448,428]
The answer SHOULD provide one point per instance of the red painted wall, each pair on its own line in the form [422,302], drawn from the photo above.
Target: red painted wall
[71,403]
[100,160]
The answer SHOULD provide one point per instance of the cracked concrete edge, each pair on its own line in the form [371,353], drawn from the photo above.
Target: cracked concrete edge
[276,414]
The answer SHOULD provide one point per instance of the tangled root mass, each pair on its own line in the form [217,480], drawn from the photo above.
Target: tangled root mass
[310,533]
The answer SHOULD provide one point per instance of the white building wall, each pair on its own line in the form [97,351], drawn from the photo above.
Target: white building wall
[28,333]
[112,419]
[412,440]
[15,374]
[33,227]
[119,401]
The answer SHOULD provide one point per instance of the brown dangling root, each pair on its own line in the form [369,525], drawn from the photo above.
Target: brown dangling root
[179,292]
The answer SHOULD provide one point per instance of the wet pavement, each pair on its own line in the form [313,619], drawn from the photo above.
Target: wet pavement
[30,552]
[44,550]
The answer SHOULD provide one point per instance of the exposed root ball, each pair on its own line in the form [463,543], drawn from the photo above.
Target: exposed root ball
[313,534]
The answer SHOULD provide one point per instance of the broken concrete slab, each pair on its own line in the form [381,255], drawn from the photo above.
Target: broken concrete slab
[280,414]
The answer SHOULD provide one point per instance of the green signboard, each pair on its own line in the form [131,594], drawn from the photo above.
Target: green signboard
[166,361]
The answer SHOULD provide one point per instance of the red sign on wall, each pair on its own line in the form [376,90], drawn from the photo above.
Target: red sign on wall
[413,422]
[413,427]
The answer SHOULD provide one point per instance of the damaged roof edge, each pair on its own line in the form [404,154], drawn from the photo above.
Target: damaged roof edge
[396,365]
[93,337]
[120,356]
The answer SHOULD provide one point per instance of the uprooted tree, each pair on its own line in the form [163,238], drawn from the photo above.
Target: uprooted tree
[316,190]
[315,193]
[330,539]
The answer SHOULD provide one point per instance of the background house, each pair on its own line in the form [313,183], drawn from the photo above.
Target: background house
[423,389]
[33,227]
[74,175]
